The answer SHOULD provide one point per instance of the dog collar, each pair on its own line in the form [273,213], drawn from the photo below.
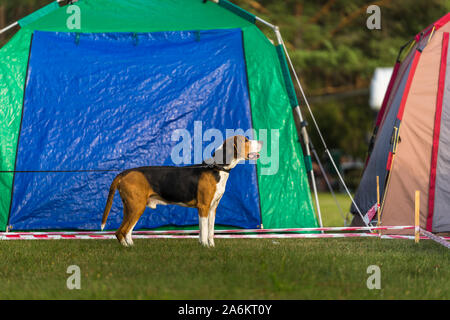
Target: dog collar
[218,167]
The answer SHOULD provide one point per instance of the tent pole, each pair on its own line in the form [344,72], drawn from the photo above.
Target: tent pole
[14,24]
[266,23]
[316,156]
[280,39]
[304,135]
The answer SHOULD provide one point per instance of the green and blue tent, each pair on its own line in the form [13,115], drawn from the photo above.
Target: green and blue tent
[78,104]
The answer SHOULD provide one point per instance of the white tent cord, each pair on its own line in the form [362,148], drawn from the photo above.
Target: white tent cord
[320,134]
[324,174]
[12,25]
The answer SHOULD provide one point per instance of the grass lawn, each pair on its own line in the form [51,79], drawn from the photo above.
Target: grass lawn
[331,217]
[235,269]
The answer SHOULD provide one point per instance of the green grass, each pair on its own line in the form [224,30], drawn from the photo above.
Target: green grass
[235,269]
[331,217]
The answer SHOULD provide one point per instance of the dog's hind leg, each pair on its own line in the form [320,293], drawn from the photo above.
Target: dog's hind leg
[133,212]
[134,191]
[120,233]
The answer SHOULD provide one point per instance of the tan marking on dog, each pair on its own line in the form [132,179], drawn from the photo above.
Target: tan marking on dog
[155,200]
[205,196]
[134,191]
[205,193]
[220,190]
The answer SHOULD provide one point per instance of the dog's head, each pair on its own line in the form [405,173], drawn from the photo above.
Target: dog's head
[235,149]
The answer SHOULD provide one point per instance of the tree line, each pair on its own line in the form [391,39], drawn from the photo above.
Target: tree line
[333,51]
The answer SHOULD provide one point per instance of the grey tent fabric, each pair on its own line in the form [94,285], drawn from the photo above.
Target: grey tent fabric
[441,218]
[366,195]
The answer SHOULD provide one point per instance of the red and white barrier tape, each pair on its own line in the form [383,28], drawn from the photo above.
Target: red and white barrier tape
[284,233]
[92,236]
[232,231]
[438,239]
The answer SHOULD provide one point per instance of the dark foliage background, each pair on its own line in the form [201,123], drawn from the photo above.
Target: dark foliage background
[332,49]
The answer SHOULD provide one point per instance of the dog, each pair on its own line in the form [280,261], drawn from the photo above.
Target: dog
[198,186]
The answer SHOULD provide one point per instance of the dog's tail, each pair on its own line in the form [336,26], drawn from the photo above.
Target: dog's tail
[109,202]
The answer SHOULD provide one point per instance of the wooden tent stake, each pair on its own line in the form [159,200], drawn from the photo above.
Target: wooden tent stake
[416,218]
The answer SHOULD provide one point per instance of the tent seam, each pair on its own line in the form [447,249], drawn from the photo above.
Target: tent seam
[251,119]
[436,133]
[20,129]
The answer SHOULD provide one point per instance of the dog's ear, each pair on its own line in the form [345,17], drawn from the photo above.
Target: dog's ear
[239,147]
[227,152]
[235,147]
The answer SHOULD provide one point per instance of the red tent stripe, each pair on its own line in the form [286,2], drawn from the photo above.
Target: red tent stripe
[437,129]
[388,93]
[408,85]
[389,161]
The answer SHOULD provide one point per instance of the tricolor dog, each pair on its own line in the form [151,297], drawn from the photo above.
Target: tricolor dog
[199,186]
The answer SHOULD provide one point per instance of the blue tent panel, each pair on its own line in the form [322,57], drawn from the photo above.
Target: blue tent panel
[113,101]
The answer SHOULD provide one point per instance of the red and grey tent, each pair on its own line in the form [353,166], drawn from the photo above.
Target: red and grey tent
[411,143]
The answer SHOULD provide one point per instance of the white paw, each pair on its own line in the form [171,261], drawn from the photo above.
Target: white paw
[204,242]
[211,242]
[124,242]
[129,240]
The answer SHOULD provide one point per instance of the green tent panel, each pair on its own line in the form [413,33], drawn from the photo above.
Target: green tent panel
[284,197]
[14,58]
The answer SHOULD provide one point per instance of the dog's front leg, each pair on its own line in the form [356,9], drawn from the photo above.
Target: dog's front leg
[211,221]
[211,218]
[203,226]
